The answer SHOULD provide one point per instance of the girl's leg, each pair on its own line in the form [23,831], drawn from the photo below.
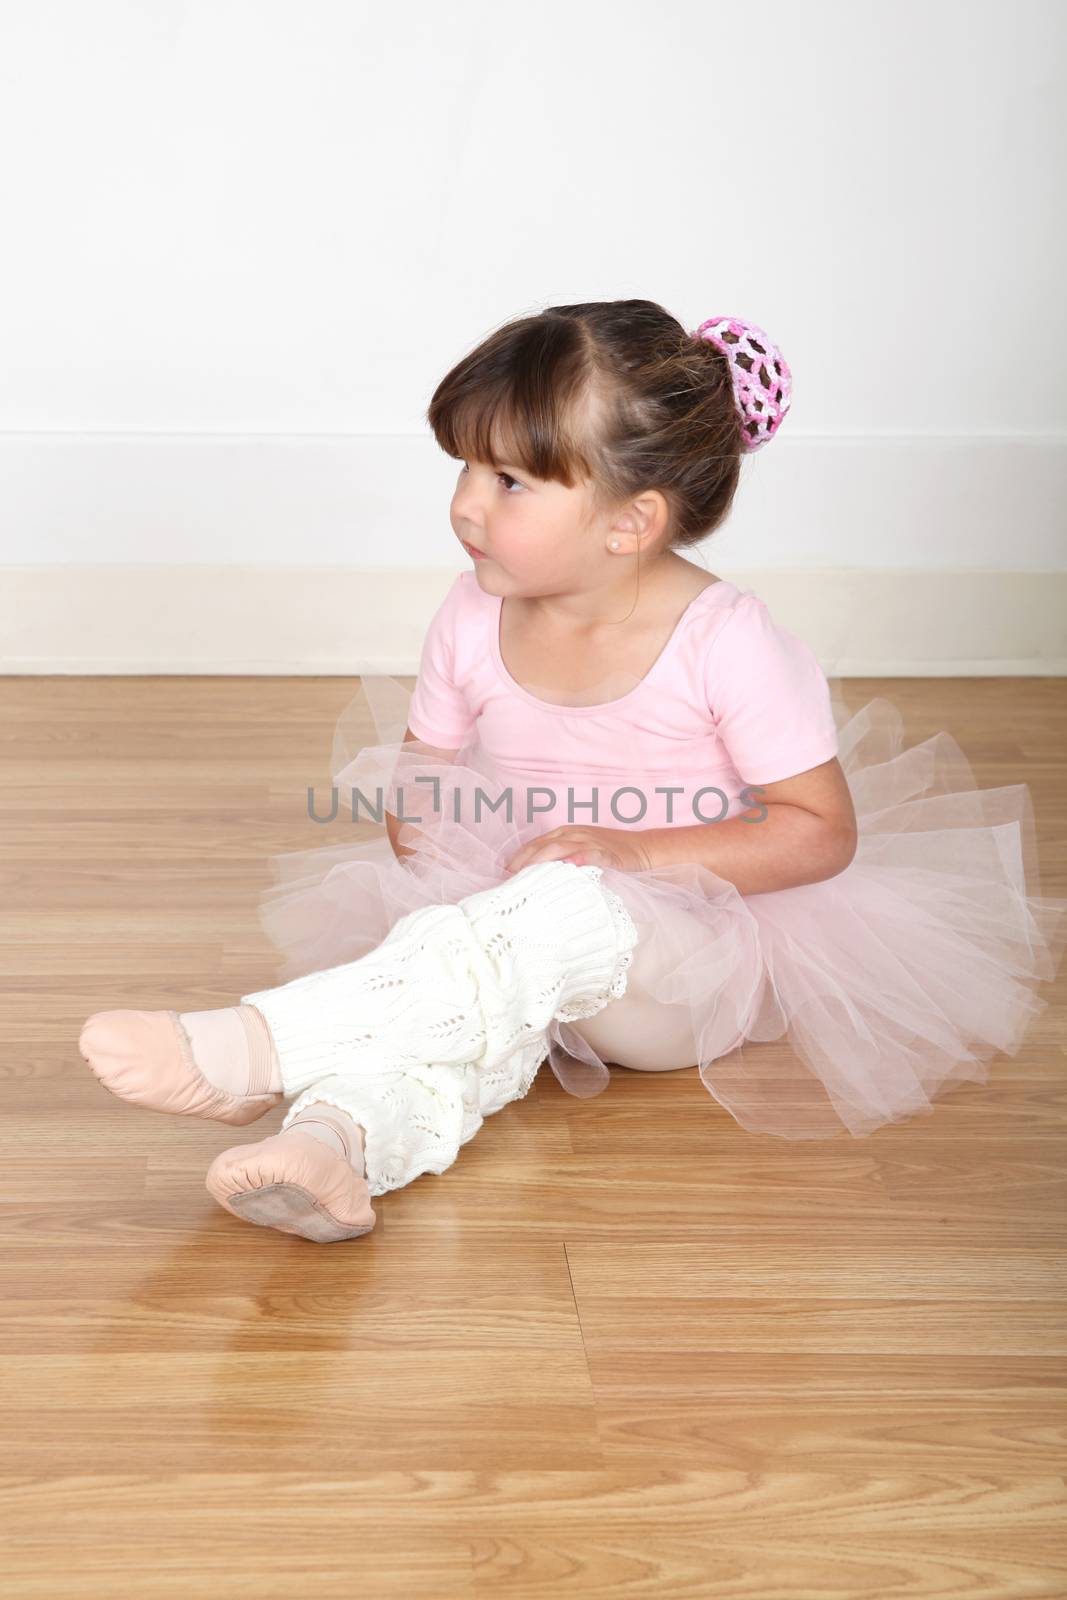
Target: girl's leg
[407,1122]
[336,1129]
[638,1030]
[440,1026]
[462,985]
[449,983]
[415,1121]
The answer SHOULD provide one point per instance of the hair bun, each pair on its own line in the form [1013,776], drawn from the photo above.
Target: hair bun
[763,383]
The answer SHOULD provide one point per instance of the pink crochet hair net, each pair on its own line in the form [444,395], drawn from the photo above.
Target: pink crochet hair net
[763,383]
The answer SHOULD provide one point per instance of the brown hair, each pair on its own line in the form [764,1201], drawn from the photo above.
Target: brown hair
[614,392]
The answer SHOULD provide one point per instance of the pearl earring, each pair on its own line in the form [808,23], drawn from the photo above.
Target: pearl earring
[614,544]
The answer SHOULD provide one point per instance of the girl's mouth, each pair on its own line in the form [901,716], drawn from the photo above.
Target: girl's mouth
[479,555]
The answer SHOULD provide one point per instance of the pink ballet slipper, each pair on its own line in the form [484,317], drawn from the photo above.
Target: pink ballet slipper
[293,1182]
[146,1057]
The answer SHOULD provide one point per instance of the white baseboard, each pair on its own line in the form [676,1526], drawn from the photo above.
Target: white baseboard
[326,621]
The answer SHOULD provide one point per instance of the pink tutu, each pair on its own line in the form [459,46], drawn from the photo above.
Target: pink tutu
[848,1003]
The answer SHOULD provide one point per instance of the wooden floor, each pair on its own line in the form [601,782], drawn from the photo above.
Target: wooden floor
[621,1348]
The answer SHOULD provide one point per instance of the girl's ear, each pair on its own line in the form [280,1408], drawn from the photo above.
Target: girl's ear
[648,516]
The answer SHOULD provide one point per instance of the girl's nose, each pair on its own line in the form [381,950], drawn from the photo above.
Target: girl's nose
[467,508]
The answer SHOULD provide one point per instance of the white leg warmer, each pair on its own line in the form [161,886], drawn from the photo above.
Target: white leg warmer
[415,1121]
[469,987]
[467,982]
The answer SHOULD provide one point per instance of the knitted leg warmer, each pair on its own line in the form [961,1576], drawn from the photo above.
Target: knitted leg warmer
[471,987]
[455,983]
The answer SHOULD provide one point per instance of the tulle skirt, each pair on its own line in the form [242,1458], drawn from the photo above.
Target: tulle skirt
[840,1005]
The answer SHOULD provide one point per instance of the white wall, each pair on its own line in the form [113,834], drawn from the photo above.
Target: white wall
[244,239]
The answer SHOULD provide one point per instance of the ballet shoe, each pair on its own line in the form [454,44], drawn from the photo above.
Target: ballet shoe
[296,1183]
[146,1057]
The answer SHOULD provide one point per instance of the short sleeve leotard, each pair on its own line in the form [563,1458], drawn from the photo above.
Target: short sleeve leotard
[733,700]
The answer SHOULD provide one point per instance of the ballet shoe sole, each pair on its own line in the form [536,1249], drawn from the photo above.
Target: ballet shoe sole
[298,1196]
[292,1209]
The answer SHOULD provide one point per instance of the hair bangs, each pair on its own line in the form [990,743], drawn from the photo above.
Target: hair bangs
[518,401]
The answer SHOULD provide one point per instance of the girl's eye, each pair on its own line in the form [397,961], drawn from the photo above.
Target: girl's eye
[506,475]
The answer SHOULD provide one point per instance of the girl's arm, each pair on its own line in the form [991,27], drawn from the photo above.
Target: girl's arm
[392,825]
[799,830]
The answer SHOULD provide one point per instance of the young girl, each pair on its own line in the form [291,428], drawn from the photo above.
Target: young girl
[625,818]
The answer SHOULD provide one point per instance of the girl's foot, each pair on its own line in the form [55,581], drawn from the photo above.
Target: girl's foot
[219,1064]
[299,1181]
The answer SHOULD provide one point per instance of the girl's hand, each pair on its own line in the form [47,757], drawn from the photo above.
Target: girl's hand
[586,847]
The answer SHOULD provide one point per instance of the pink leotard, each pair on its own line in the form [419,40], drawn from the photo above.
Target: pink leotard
[733,699]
